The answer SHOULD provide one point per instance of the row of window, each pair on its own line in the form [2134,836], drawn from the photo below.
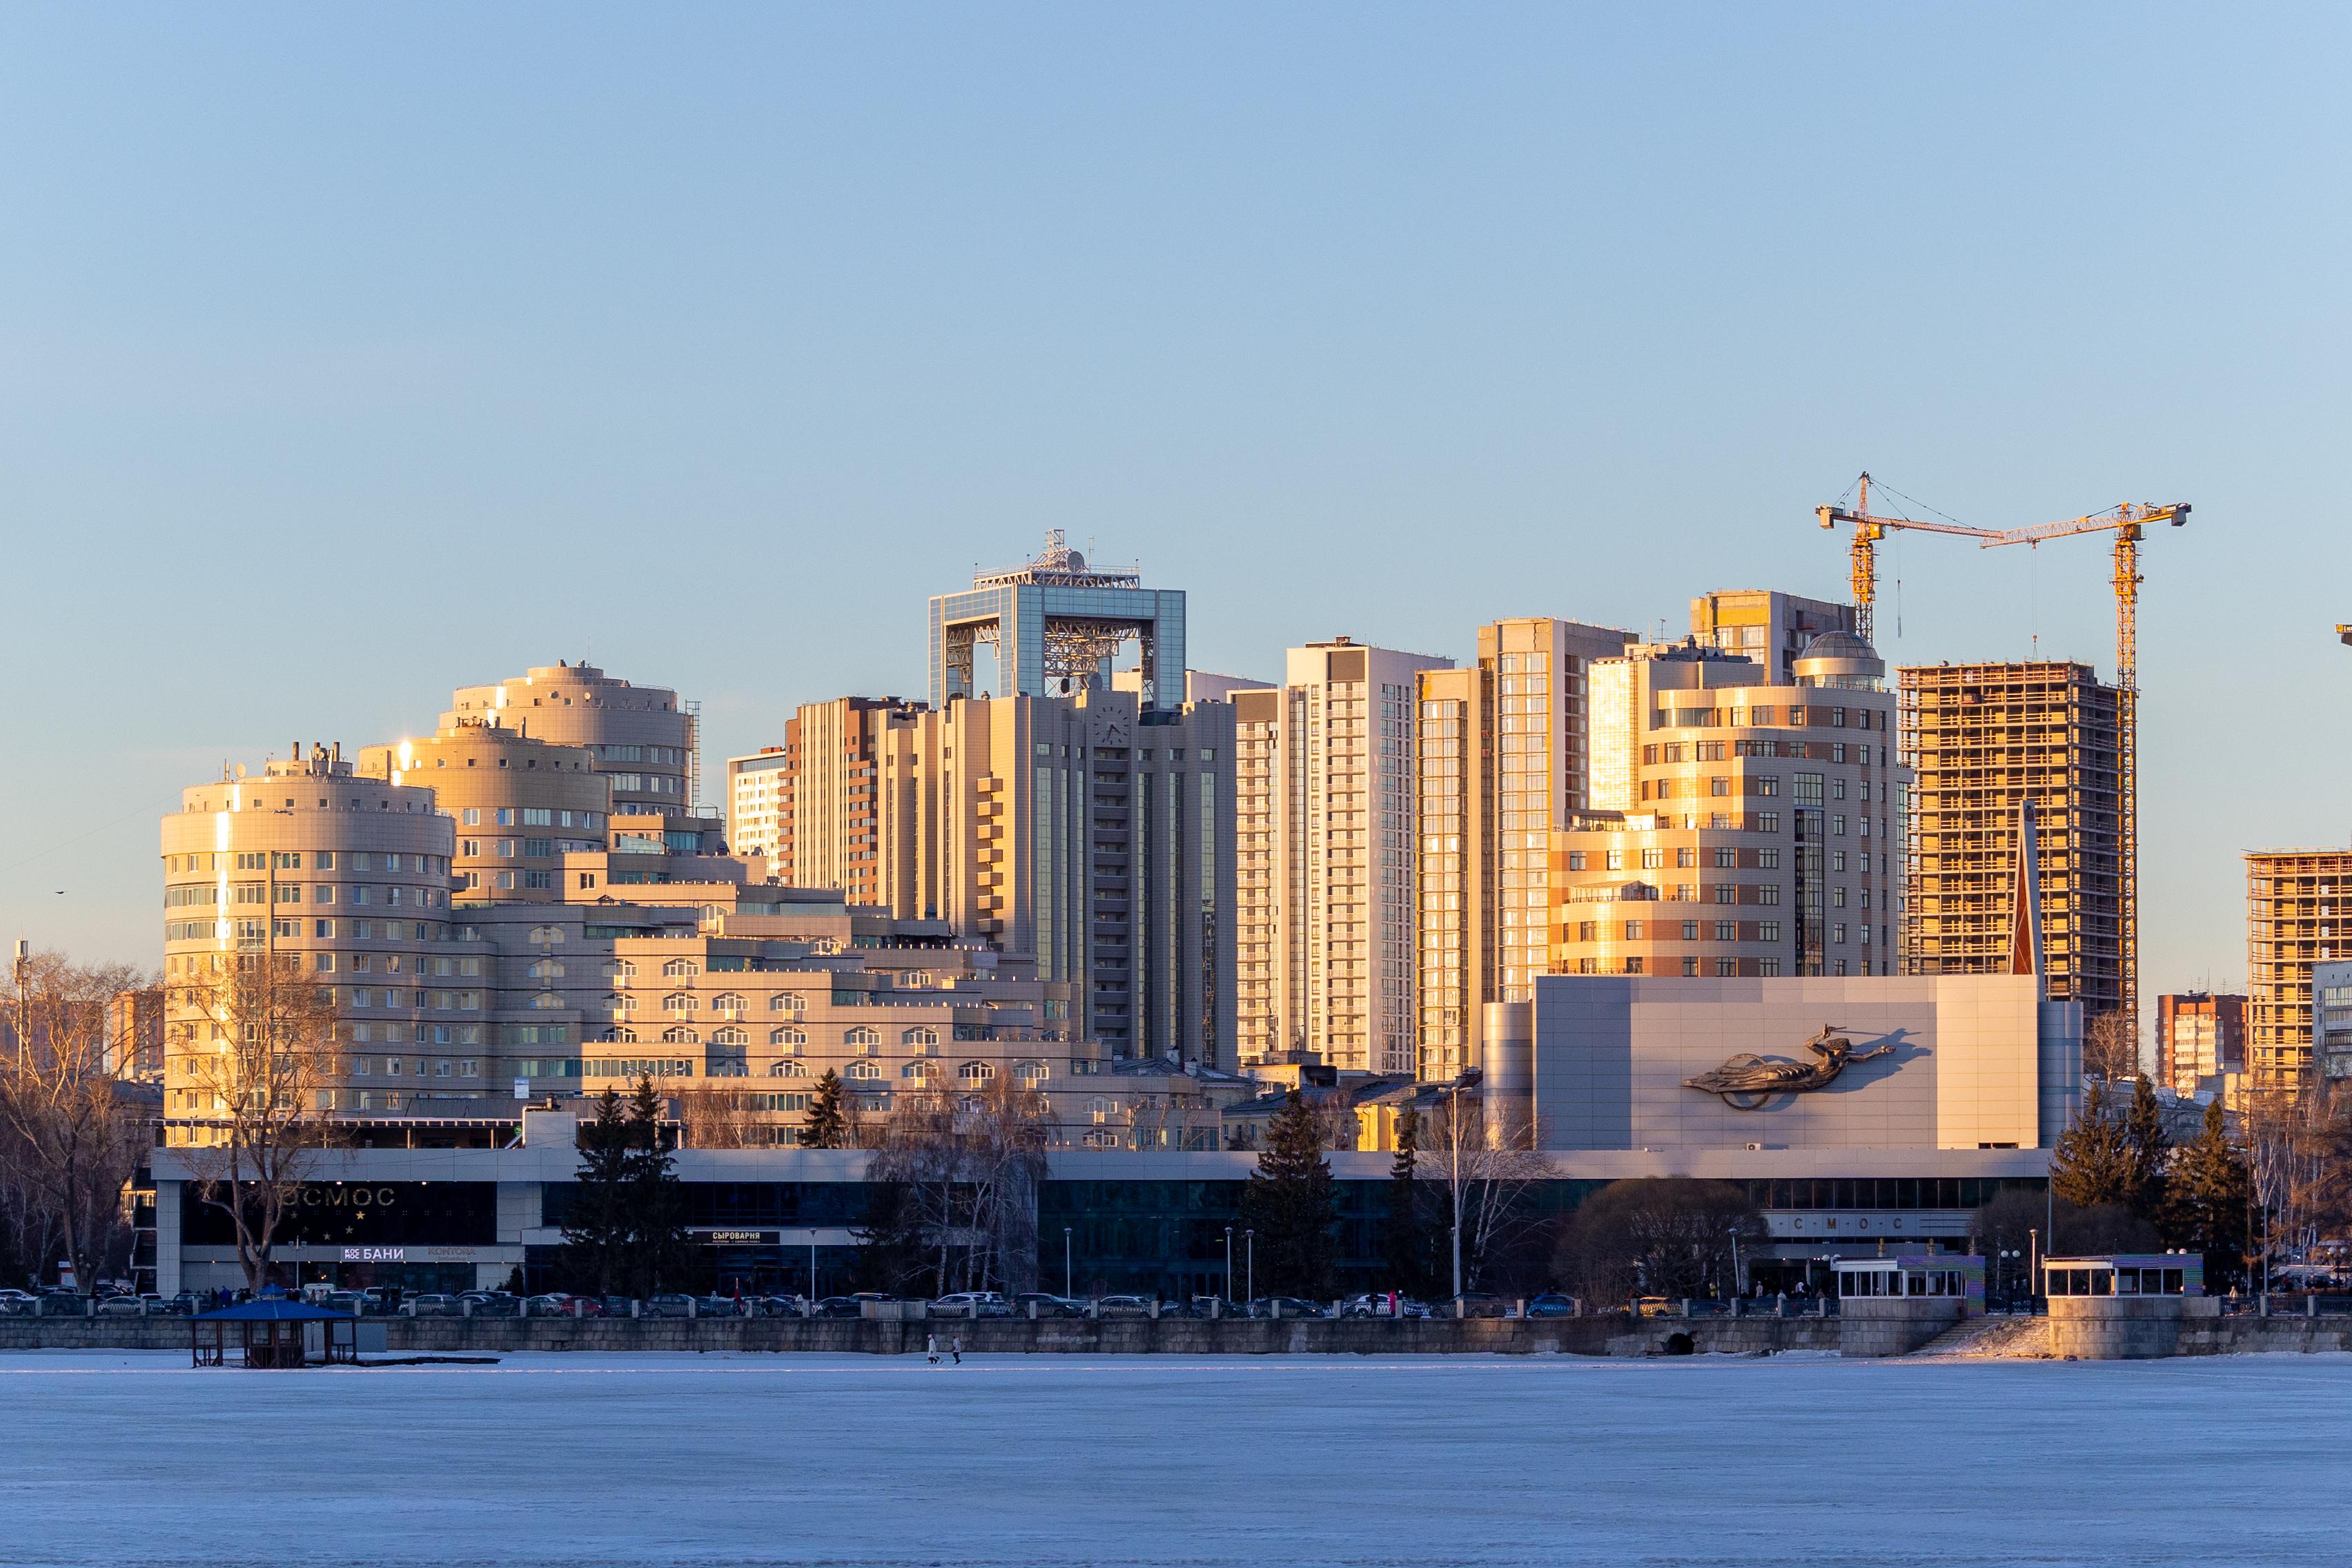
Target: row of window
[293,859]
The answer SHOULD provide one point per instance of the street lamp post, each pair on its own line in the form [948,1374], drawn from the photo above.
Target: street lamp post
[1067,1291]
[1229,1263]
[1249,1255]
[1738,1280]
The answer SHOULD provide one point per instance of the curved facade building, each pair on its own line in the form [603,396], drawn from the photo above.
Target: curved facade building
[349,877]
[642,738]
[520,805]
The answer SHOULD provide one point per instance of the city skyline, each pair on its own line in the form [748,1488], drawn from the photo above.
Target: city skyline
[456,411]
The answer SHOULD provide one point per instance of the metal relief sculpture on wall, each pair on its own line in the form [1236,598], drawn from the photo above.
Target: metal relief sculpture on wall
[1748,1081]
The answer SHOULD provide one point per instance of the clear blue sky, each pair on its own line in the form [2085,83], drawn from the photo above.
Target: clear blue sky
[349,354]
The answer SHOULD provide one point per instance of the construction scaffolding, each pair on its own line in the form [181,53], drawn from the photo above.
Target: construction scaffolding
[2298,902]
[1980,738]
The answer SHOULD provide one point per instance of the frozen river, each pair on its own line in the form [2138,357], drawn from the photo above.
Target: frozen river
[130,1459]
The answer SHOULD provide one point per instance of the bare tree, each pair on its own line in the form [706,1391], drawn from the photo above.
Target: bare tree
[73,1133]
[257,1043]
[970,1165]
[717,1118]
[1483,1161]
[2111,1048]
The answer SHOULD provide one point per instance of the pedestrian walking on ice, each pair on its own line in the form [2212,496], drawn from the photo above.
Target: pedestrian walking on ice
[931,1348]
[955,1349]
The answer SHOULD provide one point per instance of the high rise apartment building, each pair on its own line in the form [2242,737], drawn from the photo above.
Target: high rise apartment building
[1769,627]
[1090,833]
[759,803]
[2299,914]
[346,881]
[2198,1035]
[827,814]
[1979,739]
[1763,840]
[1503,752]
[643,739]
[1327,816]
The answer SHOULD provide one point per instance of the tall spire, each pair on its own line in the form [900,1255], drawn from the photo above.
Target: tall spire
[2025,898]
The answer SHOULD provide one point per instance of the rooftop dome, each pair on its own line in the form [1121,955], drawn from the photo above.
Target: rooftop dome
[1840,658]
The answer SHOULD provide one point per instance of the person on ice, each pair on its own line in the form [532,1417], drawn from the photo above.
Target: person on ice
[955,1349]
[931,1348]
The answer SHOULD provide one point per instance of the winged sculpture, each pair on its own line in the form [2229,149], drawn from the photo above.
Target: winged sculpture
[1747,1081]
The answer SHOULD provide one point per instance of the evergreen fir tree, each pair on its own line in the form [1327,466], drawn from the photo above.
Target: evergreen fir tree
[1408,1237]
[2151,1150]
[2205,1202]
[890,1250]
[596,1224]
[828,1123]
[1293,1204]
[2093,1162]
[656,1205]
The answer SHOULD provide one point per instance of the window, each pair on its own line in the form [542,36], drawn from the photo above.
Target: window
[916,1071]
[728,1005]
[863,1040]
[861,1071]
[680,1004]
[1726,859]
[731,1037]
[679,1037]
[787,1002]
[680,968]
[1726,931]
[1718,785]
[787,1069]
[925,1037]
[1030,1074]
[972,1074]
[1690,930]
[1632,931]
[787,1039]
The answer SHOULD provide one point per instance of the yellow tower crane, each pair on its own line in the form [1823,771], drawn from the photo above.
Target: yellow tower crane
[2128,523]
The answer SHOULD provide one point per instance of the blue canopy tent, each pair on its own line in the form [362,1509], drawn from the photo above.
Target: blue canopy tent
[275,1333]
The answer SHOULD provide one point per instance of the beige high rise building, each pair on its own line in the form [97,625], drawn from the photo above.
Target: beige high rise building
[2298,913]
[643,737]
[1504,754]
[347,879]
[1327,816]
[1979,739]
[830,805]
[520,804]
[1767,626]
[759,801]
[1763,840]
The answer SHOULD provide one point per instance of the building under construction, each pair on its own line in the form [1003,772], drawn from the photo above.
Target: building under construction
[1980,738]
[2298,904]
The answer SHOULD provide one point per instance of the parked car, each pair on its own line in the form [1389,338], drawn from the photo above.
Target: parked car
[1123,1307]
[669,1305]
[432,1306]
[186,1304]
[718,1307]
[614,1306]
[61,1304]
[1284,1306]
[18,1304]
[121,1307]
[841,1307]
[551,1304]
[1655,1307]
[1048,1306]
[973,1304]
[1379,1304]
[1552,1304]
[342,1301]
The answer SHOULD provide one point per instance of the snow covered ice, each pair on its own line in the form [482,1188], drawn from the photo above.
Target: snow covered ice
[115,1457]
